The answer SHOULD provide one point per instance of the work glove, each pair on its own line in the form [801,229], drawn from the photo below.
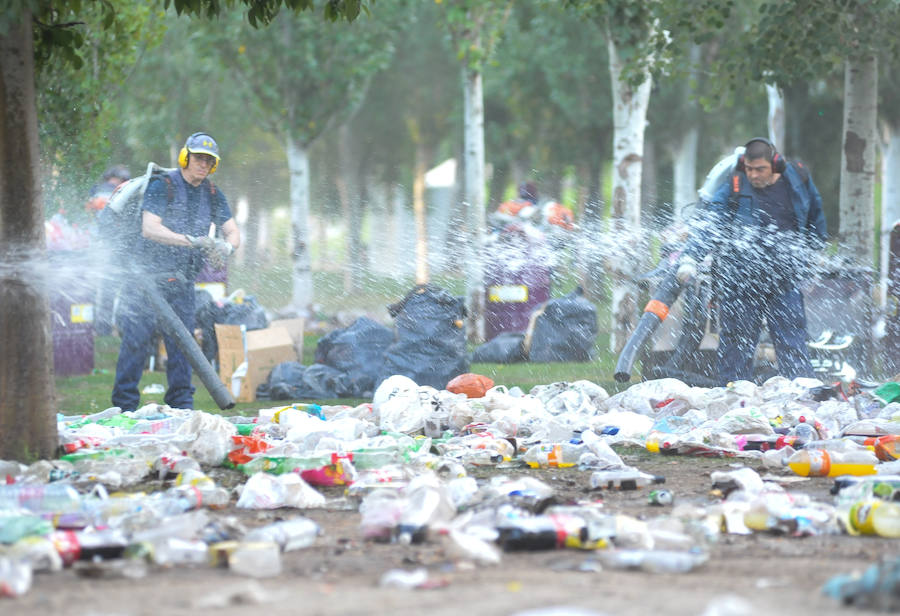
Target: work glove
[218,255]
[687,269]
[201,242]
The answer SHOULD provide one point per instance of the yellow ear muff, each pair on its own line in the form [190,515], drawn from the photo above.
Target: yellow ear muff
[183,158]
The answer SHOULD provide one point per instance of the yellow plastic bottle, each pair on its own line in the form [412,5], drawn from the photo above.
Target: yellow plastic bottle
[821,463]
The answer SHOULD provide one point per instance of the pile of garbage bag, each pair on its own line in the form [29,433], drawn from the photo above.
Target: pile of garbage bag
[404,460]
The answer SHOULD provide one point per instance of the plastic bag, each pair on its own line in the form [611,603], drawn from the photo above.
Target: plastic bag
[212,437]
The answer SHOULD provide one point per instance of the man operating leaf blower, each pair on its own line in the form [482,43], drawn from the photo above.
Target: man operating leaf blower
[175,214]
[765,225]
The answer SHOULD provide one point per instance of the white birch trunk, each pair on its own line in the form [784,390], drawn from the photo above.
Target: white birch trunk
[890,195]
[776,117]
[301,278]
[474,198]
[857,193]
[422,275]
[684,172]
[629,119]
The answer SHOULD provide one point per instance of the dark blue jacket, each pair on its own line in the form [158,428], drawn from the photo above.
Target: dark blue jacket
[184,209]
[730,225]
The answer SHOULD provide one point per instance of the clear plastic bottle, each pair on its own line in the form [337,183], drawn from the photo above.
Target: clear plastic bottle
[624,479]
[15,577]
[288,534]
[653,561]
[256,559]
[426,506]
[559,455]
[53,497]
[823,463]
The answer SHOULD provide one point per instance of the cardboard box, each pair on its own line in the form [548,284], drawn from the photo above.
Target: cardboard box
[295,329]
[260,349]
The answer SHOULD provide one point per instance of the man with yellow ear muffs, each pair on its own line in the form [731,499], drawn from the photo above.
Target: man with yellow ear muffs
[179,209]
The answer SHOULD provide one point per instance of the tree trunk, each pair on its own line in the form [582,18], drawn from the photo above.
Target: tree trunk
[27,395]
[420,214]
[858,159]
[629,119]
[890,194]
[349,199]
[776,115]
[301,278]
[473,111]
[684,172]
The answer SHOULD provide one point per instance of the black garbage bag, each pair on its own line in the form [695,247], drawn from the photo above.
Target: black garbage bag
[291,380]
[504,348]
[284,382]
[430,346]
[564,330]
[358,352]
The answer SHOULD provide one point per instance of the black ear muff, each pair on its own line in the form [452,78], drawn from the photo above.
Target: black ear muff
[778,163]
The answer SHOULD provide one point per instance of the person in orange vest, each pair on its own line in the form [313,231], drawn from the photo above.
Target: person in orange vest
[528,196]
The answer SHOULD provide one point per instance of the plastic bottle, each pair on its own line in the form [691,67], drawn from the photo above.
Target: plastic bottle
[546,532]
[426,506]
[804,432]
[662,442]
[54,497]
[256,559]
[288,534]
[887,447]
[559,455]
[821,463]
[623,480]
[876,517]
[15,577]
[760,442]
[653,561]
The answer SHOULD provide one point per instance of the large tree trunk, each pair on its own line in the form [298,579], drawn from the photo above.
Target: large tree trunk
[857,196]
[629,118]
[27,396]
[473,111]
[301,278]
[890,194]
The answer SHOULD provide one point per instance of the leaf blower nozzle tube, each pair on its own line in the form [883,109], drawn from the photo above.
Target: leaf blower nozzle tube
[173,326]
[655,312]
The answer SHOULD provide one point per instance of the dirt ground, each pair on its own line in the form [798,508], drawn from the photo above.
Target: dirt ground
[340,574]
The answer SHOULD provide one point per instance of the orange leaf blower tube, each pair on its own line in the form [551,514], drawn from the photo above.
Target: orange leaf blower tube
[655,312]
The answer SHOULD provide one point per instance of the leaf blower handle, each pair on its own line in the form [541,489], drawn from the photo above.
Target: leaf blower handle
[687,269]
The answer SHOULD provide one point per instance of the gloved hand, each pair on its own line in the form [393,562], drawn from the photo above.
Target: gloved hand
[218,255]
[687,269]
[201,242]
